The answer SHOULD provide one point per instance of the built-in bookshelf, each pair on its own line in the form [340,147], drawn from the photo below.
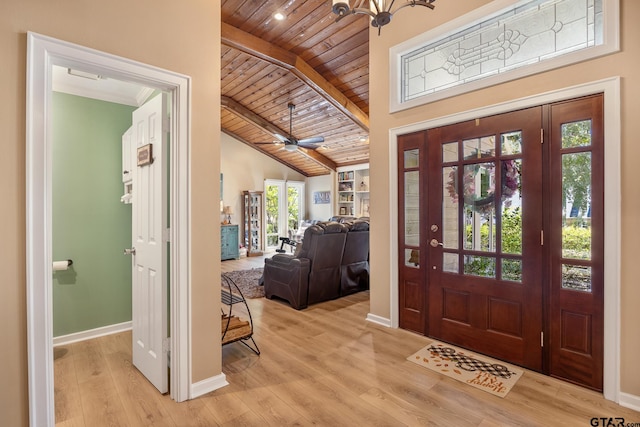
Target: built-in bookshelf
[353,191]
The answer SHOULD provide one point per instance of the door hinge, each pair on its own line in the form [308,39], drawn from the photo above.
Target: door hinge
[166,125]
[166,235]
[541,136]
[541,237]
[541,339]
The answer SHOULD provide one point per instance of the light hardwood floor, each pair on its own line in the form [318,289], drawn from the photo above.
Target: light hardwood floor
[325,365]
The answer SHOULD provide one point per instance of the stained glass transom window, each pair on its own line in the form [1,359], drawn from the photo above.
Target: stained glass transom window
[528,33]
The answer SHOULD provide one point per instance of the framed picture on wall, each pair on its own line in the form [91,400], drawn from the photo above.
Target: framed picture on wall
[321,197]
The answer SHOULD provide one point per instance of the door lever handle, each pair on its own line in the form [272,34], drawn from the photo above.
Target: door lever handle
[434,243]
[131,251]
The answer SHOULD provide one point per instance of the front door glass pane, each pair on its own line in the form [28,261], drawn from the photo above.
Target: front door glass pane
[450,262]
[412,208]
[512,270]
[576,134]
[449,208]
[576,193]
[411,159]
[480,266]
[511,143]
[511,229]
[576,277]
[478,148]
[449,152]
[412,258]
[478,187]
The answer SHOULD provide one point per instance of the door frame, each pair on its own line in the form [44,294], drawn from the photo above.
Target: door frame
[612,101]
[42,53]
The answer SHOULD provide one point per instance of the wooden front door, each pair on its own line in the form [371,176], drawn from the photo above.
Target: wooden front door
[490,212]
[484,223]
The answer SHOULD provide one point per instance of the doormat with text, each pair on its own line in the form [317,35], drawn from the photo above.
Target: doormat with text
[482,372]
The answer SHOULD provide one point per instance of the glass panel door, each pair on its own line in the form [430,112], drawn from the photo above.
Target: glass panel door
[295,207]
[284,209]
[274,197]
[485,291]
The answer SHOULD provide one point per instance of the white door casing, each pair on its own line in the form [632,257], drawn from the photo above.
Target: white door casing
[42,53]
[149,219]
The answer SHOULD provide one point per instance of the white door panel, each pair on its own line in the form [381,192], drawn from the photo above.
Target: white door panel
[149,297]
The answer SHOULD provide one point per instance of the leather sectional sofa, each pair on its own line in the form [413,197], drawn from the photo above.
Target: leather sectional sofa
[333,261]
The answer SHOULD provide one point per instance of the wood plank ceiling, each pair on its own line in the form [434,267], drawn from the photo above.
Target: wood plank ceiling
[308,59]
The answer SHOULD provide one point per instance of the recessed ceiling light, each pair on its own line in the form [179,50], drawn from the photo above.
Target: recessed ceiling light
[279,16]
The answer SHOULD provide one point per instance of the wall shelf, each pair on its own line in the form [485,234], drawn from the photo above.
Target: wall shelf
[353,191]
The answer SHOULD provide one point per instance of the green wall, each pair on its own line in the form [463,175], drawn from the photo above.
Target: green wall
[90,224]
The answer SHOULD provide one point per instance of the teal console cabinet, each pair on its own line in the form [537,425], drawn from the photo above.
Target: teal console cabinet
[229,242]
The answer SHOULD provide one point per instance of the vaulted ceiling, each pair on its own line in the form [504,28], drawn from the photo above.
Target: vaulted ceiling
[306,59]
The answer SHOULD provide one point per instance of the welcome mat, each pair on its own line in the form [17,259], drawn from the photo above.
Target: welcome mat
[482,372]
[247,281]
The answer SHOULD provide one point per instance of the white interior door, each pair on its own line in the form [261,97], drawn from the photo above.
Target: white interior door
[149,216]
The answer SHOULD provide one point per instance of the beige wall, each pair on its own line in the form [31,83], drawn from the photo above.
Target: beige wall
[163,33]
[321,183]
[244,168]
[626,63]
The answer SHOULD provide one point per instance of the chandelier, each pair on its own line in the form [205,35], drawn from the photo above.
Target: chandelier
[379,10]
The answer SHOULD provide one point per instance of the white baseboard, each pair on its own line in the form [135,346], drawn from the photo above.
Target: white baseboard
[373,318]
[630,401]
[92,333]
[208,385]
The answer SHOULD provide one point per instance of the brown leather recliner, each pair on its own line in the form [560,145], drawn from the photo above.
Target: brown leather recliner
[313,275]
[354,270]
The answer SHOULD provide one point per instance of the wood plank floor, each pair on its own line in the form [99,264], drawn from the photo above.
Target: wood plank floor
[325,365]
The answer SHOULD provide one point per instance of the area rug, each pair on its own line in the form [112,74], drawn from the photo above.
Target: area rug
[482,372]
[247,281]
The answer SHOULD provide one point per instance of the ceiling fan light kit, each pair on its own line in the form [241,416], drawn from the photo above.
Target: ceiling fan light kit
[292,143]
[380,11]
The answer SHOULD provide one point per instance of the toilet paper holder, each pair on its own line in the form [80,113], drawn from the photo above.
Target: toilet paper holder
[62,265]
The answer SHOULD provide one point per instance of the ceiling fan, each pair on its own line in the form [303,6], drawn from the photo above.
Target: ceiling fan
[291,143]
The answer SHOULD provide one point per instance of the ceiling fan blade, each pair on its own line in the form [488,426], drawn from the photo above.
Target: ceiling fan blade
[268,143]
[282,138]
[310,141]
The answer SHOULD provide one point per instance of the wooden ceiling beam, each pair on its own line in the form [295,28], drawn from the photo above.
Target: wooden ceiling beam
[254,46]
[271,129]
[251,117]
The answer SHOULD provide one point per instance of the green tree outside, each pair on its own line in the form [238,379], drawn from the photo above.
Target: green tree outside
[273,212]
